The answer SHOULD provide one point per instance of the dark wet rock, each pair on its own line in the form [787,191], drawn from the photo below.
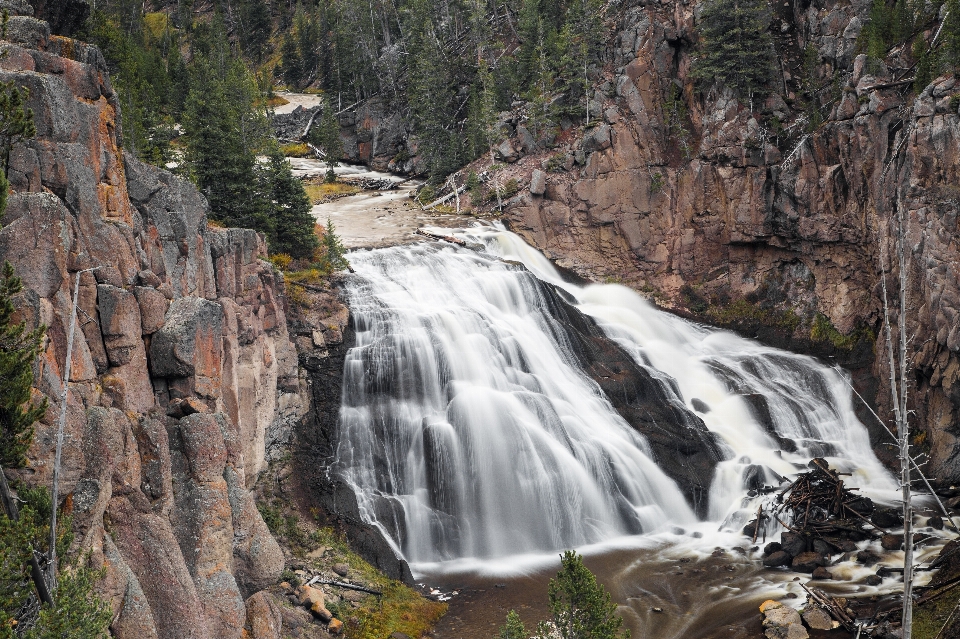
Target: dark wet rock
[887,518]
[778,558]
[760,409]
[679,440]
[867,557]
[891,542]
[935,522]
[793,543]
[822,547]
[699,405]
[822,573]
[864,506]
[873,580]
[772,547]
[807,562]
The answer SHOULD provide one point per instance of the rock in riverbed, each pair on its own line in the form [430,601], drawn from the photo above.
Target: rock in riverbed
[781,622]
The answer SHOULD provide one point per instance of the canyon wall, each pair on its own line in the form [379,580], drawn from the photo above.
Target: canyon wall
[743,218]
[184,381]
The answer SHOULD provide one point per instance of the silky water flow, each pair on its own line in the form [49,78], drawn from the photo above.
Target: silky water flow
[472,438]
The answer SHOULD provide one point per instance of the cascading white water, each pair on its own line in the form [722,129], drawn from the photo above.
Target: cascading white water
[468,430]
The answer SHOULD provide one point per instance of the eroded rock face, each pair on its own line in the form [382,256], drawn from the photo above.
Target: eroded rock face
[182,370]
[725,215]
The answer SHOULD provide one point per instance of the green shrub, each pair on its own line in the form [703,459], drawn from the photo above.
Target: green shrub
[580,607]
[271,517]
[656,182]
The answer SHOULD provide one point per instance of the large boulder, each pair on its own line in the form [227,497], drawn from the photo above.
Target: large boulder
[120,323]
[189,347]
[264,617]
[598,139]
[538,182]
[782,622]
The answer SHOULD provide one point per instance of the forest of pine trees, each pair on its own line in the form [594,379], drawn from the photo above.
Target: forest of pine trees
[448,66]
[195,85]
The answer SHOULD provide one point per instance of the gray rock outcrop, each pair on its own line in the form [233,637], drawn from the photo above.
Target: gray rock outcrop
[182,372]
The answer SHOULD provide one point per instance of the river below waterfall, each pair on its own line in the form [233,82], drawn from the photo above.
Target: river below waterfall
[480,445]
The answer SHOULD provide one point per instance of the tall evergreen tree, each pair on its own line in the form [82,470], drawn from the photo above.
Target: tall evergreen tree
[428,91]
[325,135]
[951,33]
[18,351]
[291,66]
[737,48]
[222,145]
[256,26]
[293,224]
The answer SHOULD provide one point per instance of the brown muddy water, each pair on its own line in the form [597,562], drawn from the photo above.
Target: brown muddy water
[668,592]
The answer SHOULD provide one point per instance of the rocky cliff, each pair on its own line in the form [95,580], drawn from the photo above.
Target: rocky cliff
[755,219]
[184,381]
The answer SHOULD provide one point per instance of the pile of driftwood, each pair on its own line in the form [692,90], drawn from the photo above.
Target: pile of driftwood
[370,183]
[817,505]
[820,504]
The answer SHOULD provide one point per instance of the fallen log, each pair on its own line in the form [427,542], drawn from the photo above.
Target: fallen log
[343,584]
[444,238]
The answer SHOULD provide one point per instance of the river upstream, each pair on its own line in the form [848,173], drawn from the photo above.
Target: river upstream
[481,444]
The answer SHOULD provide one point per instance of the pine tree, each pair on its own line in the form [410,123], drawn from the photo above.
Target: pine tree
[326,137]
[18,350]
[541,117]
[256,22]
[223,137]
[291,66]
[292,222]
[513,628]
[580,607]
[737,49]
[15,585]
[333,251]
[79,612]
[951,33]
[429,94]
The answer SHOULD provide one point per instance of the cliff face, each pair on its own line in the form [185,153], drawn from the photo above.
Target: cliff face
[184,381]
[748,227]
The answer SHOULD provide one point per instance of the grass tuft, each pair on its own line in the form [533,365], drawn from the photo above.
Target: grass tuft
[327,191]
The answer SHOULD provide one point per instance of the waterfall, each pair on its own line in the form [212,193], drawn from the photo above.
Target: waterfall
[468,427]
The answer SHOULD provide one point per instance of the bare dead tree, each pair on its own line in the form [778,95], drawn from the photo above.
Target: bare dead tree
[899,389]
[61,422]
